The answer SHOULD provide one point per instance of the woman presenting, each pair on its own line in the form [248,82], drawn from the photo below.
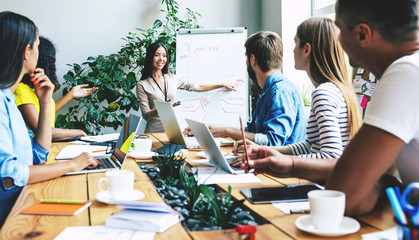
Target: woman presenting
[157,84]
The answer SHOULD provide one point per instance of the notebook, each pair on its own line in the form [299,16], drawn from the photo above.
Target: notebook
[210,148]
[173,130]
[41,208]
[116,159]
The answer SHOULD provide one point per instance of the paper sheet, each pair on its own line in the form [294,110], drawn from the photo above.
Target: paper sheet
[204,161]
[102,138]
[207,176]
[295,206]
[389,234]
[72,151]
[102,233]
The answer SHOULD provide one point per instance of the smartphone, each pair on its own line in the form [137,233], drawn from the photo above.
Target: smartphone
[295,193]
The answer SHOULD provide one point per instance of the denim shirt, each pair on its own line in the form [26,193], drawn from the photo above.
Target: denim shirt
[18,150]
[279,113]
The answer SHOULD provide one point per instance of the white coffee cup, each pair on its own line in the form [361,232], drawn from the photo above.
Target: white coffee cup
[326,209]
[142,145]
[120,183]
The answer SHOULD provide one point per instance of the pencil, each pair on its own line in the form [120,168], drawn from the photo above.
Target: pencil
[246,157]
[96,151]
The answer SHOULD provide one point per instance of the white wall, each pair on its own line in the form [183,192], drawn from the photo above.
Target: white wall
[81,28]
[293,13]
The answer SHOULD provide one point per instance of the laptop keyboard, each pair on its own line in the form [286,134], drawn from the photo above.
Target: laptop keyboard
[229,159]
[107,163]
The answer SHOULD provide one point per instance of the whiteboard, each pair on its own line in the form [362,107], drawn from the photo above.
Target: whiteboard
[213,56]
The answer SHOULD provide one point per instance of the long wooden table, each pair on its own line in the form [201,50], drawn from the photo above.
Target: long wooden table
[84,187]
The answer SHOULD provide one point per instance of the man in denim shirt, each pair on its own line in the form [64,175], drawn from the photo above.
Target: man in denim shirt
[279,117]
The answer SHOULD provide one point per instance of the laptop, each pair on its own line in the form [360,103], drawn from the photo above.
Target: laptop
[117,158]
[173,130]
[210,148]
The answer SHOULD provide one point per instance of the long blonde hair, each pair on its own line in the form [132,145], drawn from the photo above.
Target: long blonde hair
[327,63]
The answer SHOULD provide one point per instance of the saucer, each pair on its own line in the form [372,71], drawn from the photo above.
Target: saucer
[105,197]
[142,155]
[348,225]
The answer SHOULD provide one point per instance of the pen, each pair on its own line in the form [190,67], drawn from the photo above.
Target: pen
[62,201]
[299,211]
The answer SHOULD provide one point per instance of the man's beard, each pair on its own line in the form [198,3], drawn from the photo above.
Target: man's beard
[251,72]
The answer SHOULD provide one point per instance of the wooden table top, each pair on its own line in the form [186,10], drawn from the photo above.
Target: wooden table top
[84,187]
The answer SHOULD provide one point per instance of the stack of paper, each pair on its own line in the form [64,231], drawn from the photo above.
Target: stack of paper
[144,216]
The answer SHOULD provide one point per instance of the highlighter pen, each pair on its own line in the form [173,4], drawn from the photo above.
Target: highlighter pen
[62,201]
[398,211]
[176,103]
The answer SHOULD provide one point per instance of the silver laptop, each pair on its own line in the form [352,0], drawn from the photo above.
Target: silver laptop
[173,130]
[115,161]
[171,125]
[210,148]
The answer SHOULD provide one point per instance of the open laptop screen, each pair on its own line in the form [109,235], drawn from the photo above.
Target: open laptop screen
[117,154]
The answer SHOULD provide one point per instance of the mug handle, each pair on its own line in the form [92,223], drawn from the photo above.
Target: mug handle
[101,180]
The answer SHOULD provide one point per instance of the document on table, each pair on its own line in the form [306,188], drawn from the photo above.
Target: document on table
[209,175]
[102,233]
[389,234]
[101,138]
[294,206]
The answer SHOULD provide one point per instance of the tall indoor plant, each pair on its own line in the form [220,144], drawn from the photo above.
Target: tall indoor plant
[116,74]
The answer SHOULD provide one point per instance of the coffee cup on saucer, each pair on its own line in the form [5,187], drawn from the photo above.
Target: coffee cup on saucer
[326,209]
[120,184]
[142,146]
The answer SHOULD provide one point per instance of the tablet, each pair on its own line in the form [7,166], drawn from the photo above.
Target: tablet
[296,193]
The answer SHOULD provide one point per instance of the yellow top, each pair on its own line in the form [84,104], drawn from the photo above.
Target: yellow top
[26,95]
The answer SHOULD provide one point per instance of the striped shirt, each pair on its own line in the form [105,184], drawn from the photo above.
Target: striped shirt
[327,128]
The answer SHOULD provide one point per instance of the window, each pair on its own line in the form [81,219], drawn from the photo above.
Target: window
[323,8]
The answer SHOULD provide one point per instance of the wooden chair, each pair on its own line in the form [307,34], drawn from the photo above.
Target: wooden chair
[131,125]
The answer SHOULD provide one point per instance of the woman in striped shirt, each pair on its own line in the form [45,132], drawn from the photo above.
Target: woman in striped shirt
[334,116]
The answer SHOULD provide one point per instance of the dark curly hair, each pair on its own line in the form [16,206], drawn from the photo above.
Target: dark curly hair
[46,61]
